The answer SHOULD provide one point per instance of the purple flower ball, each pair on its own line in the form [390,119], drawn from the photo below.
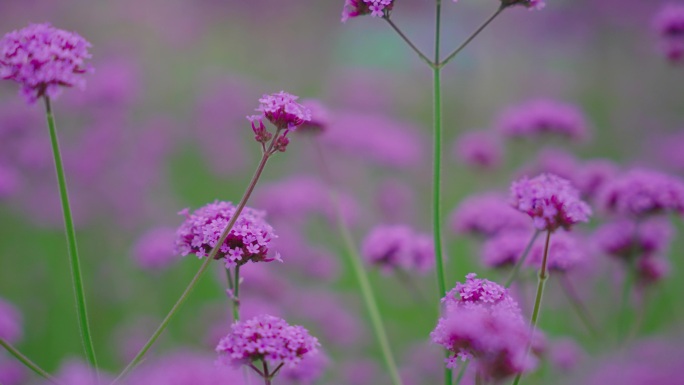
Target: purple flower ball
[551,202]
[320,117]
[537,118]
[154,249]
[43,59]
[593,175]
[487,215]
[308,372]
[566,252]
[505,248]
[355,8]
[398,247]
[652,269]
[481,293]
[283,111]
[669,25]
[266,338]
[565,354]
[478,149]
[248,240]
[625,239]
[642,192]
[10,322]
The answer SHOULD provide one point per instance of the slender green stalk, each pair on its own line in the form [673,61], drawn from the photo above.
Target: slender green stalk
[461,372]
[205,264]
[236,300]
[523,257]
[409,42]
[72,248]
[27,362]
[361,275]
[577,304]
[543,276]
[470,38]
[625,311]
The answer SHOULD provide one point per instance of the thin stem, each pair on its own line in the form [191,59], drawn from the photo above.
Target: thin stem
[471,37]
[72,248]
[523,257]
[625,313]
[361,276]
[577,304]
[205,264]
[251,365]
[461,372]
[409,42]
[27,362]
[543,276]
[236,293]
[437,169]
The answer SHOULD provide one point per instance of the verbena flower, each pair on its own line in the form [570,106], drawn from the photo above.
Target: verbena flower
[185,368]
[593,175]
[531,4]
[398,247]
[505,248]
[308,372]
[651,269]
[566,252]
[480,149]
[43,59]
[537,118]
[376,8]
[625,239]
[266,338]
[486,214]
[565,354]
[283,111]
[482,293]
[320,117]
[642,192]
[12,372]
[248,240]
[10,322]
[551,202]
[154,249]
[669,25]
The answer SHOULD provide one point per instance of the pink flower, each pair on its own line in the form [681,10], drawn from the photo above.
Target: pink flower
[376,8]
[398,247]
[669,24]
[480,149]
[537,118]
[154,249]
[283,111]
[486,214]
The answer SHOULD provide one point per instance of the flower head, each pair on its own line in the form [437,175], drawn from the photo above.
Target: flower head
[625,239]
[154,249]
[308,372]
[541,117]
[531,4]
[43,59]
[283,111]
[476,292]
[566,252]
[505,248]
[551,202]
[320,117]
[478,149]
[652,269]
[376,8]
[266,338]
[487,215]
[669,25]
[398,247]
[642,192]
[248,240]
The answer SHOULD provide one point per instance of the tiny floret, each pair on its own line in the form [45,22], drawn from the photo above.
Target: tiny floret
[266,338]
[43,59]
[551,202]
[398,247]
[248,240]
[476,292]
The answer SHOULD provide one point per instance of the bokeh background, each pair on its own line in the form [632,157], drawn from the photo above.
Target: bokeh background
[161,127]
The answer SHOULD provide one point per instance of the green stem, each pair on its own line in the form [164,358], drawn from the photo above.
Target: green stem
[236,300]
[523,257]
[243,202]
[27,362]
[437,170]
[361,275]
[577,304]
[543,276]
[409,42]
[470,38]
[461,372]
[625,313]
[75,264]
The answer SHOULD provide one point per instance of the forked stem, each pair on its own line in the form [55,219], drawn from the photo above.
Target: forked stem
[521,260]
[577,304]
[27,362]
[408,41]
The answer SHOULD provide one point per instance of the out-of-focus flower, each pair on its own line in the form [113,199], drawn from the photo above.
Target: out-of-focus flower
[320,117]
[395,200]
[625,239]
[531,4]
[12,372]
[565,354]
[10,322]
[482,293]
[303,257]
[376,8]
[593,175]
[566,252]
[74,372]
[398,247]
[652,269]
[642,192]
[551,202]
[154,249]
[248,240]
[553,160]
[505,248]
[185,368]
[541,117]
[266,338]
[43,59]
[669,25]
[9,181]
[310,370]
[478,149]
[486,215]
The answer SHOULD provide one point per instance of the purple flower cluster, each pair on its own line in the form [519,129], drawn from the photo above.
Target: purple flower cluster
[551,202]
[625,239]
[505,248]
[480,149]
[154,249]
[320,117]
[283,111]
[43,59]
[566,252]
[476,292]
[531,4]
[540,117]
[669,25]
[398,247]
[248,240]
[486,215]
[642,192]
[308,372]
[10,322]
[185,368]
[376,8]
[266,338]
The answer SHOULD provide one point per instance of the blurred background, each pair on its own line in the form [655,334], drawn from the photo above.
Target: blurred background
[161,127]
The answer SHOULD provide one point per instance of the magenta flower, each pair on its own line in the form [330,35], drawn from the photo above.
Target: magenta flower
[12,372]
[248,240]
[154,249]
[486,214]
[593,175]
[482,293]
[551,202]
[376,8]
[505,248]
[308,372]
[185,368]
[669,25]
[566,252]
[398,247]
[43,59]
[283,111]
[10,322]
[269,339]
[642,192]
[565,354]
[531,4]
[320,117]
[480,149]
[543,117]
[652,269]
[626,239]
